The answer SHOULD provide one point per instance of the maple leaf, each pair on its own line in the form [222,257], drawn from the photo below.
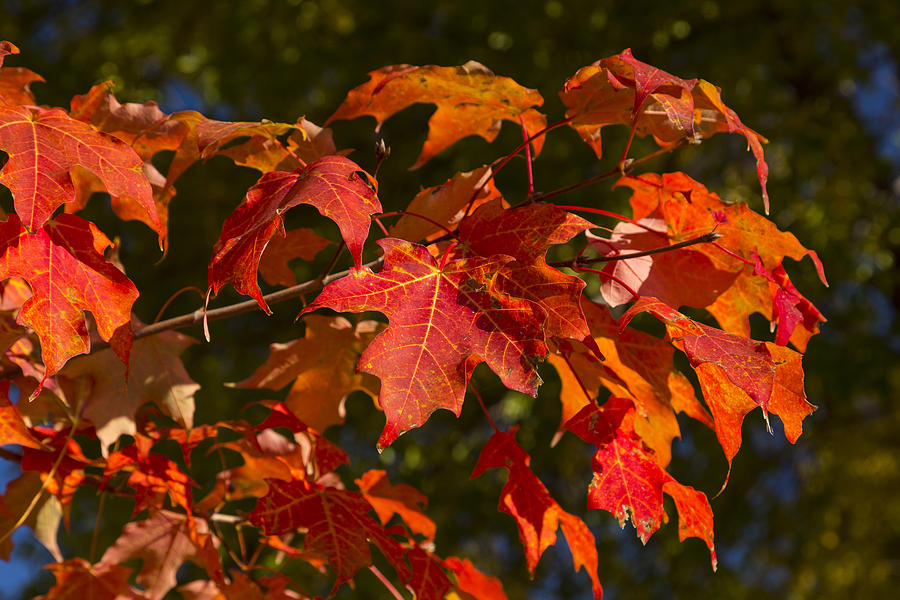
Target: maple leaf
[623,90]
[688,210]
[77,579]
[402,500]
[440,319]
[336,186]
[152,476]
[636,366]
[297,243]
[164,541]
[110,395]
[629,483]
[12,428]
[470,100]
[43,519]
[526,233]
[445,204]
[308,143]
[15,81]
[682,277]
[15,85]
[63,458]
[337,524]
[472,583]
[44,145]
[64,266]
[537,514]
[428,579]
[736,374]
[321,366]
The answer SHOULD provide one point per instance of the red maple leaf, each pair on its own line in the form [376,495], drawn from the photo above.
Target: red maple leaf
[335,185]
[537,514]
[441,318]
[526,233]
[736,374]
[337,524]
[629,483]
[45,145]
[63,264]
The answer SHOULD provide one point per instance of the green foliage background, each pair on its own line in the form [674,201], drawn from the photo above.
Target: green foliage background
[817,520]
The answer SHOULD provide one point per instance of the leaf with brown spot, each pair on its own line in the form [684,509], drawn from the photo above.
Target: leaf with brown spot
[470,100]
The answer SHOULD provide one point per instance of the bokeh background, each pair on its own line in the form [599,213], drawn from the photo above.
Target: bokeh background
[820,519]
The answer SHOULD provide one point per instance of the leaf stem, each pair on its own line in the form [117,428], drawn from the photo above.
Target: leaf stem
[528,160]
[625,169]
[483,406]
[503,161]
[175,295]
[384,581]
[423,217]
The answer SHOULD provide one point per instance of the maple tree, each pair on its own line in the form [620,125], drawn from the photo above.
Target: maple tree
[462,277]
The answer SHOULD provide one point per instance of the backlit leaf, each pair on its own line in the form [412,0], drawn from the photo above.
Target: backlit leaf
[623,90]
[322,368]
[537,514]
[471,100]
[336,186]
[44,146]
[441,319]
[64,265]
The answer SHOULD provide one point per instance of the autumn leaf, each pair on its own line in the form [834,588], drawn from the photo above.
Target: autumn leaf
[629,483]
[474,584]
[60,462]
[336,186]
[45,145]
[470,100]
[155,374]
[441,318]
[7,48]
[15,85]
[637,366]
[63,264]
[151,475]
[537,514]
[77,579]
[337,524]
[736,374]
[445,204]
[296,243]
[164,541]
[526,233]
[687,209]
[43,519]
[12,428]
[428,579]
[623,90]
[308,143]
[322,367]
[402,500]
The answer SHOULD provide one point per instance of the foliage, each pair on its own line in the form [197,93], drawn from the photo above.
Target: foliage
[462,278]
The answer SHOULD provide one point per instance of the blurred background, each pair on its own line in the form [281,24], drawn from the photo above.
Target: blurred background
[820,519]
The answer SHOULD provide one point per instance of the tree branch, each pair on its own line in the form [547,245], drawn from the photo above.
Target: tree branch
[196,317]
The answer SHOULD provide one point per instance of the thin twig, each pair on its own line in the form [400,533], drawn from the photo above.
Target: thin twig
[483,406]
[386,583]
[196,317]
[703,239]
[626,168]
